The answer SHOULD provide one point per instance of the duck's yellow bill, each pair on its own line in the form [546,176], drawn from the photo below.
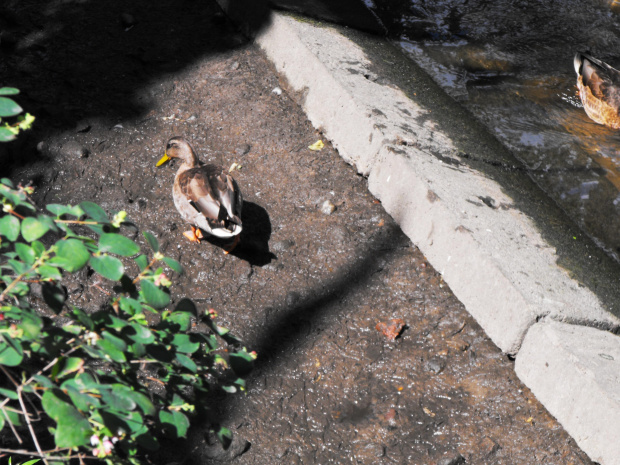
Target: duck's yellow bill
[163,159]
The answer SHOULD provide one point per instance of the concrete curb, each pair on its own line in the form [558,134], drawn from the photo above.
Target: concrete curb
[462,220]
[575,373]
[489,248]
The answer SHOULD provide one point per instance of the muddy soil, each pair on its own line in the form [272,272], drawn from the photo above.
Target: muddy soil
[110,83]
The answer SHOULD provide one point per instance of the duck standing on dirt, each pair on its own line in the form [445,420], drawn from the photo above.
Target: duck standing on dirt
[206,196]
[599,89]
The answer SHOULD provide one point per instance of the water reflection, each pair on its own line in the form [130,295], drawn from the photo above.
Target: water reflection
[511,64]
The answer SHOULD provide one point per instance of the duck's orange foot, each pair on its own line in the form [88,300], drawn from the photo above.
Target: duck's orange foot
[232,246]
[194,235]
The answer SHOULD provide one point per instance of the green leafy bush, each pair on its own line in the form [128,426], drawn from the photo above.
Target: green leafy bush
[10,109]
[104,382]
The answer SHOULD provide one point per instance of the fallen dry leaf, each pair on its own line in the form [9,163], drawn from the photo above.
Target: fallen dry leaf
[392,329]
[318,145]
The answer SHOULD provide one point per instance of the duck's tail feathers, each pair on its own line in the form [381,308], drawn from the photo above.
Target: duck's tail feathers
[578,62]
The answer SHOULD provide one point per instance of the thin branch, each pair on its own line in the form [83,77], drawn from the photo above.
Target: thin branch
[8,375]
[33,435]
[13,212]
[13,283]
[80,456]
[77,222]
[51,364]
[143,273]
[15,433]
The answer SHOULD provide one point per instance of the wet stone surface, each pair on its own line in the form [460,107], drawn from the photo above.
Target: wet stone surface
[305,289]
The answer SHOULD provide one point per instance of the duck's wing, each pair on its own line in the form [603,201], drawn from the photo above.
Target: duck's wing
[602,80]
[213,193]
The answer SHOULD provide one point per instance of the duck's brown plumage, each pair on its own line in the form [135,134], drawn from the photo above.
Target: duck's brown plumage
[599,89]
[206,196]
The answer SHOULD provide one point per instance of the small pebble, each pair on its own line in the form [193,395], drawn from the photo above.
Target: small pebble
[435,365]
[235,65]
[74,149]
[242,149]
[328,207]
[282,246]
[455,459]
[277,91]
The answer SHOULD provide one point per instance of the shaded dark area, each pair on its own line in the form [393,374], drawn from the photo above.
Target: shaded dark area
[83,63]
[254,244]
[351,13]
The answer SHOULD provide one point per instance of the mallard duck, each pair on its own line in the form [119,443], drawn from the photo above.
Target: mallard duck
[599,89]
[206,196]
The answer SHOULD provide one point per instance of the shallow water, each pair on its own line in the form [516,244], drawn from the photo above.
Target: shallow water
[511,64]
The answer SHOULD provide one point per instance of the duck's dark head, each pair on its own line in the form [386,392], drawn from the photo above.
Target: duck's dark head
[178,147]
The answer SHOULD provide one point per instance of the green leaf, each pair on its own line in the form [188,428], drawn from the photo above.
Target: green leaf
[9,227]
[142,261]
[66,366]
[8,107]
[11,354]
[49,272]
[32,228]
[70,255]
[147,441]
[152,240]
[31,325]
[81,400]
[174,422]
[182,319]
[107,266]
[8,393]
[72,429]
[31,462]
[38,248]
[111,351]
[143,402]
[9,91]
[43,381]
[154,296]
[6,135]
[117,341]
[173,264]
[95,212]
[224,436]
[137,332]
[83,317]
[119,397]
[59,210]
[187,362]
[185,343]
[25,253]
[117,244]
[130,306]
[17,266]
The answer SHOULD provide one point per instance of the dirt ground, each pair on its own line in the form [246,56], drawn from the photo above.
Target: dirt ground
[110,83]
